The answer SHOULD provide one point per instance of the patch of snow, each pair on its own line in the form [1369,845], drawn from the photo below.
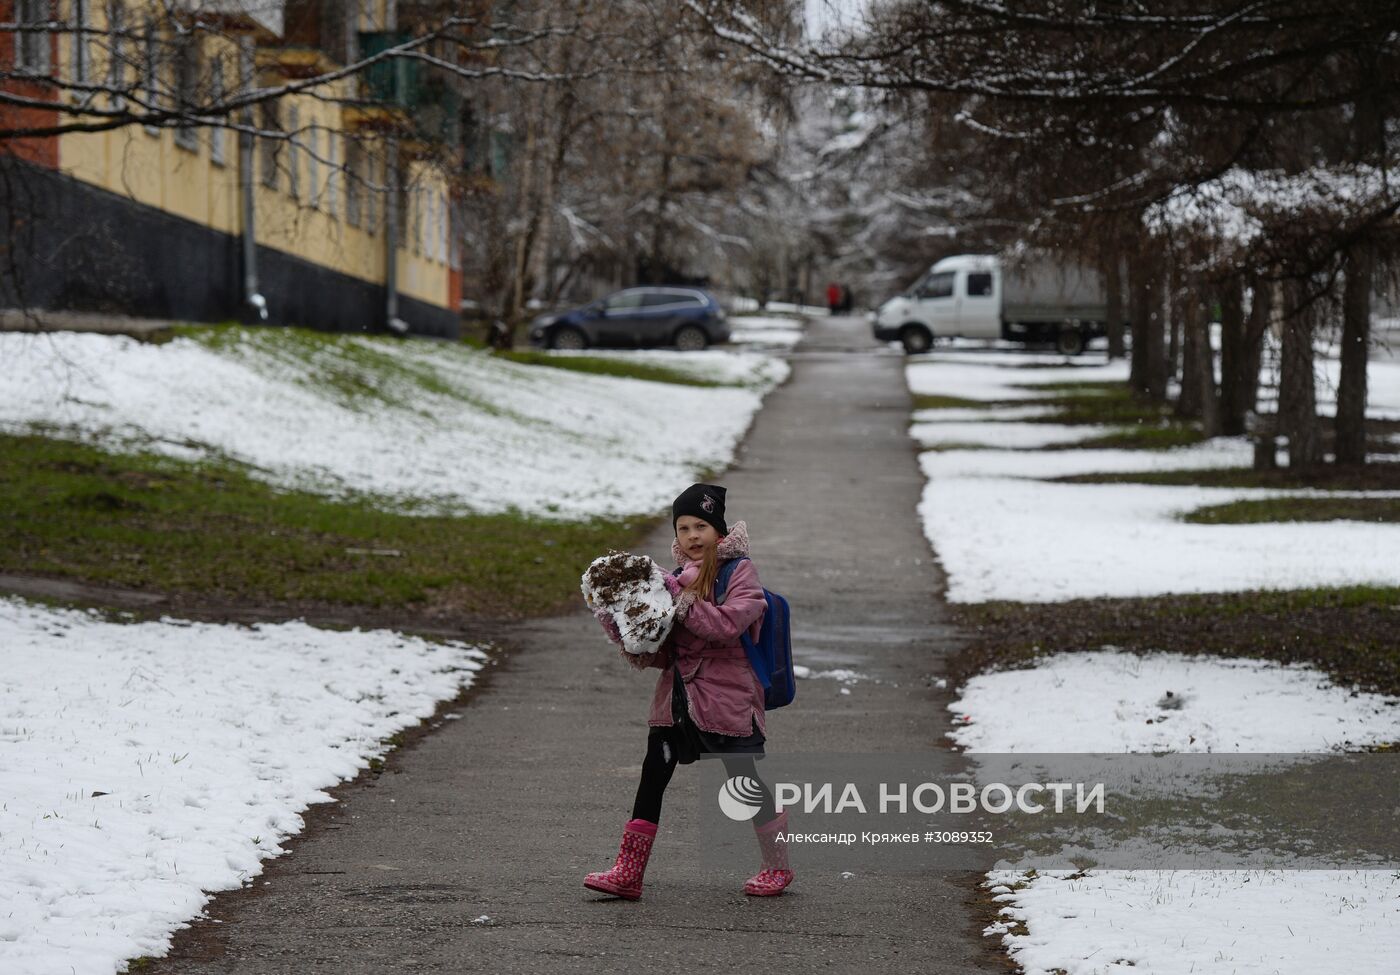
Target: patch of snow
[1005,434]
[448,429]
[1101,701]
[147,765]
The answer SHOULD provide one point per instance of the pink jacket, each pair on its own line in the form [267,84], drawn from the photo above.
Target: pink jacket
[725,695]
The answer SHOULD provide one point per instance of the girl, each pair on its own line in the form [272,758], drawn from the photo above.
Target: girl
[707,698]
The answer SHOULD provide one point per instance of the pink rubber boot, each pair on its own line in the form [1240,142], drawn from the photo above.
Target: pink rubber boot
[625,877]
[776,873]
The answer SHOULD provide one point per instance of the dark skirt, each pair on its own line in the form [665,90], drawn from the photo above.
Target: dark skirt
[689,742]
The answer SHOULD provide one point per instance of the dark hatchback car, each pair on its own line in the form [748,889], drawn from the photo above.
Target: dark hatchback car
[687,318]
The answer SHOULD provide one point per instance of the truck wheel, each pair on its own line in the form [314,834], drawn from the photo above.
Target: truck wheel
[569,338]
[1069,340]
[916,339]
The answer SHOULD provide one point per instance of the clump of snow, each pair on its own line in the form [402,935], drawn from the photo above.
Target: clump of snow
[147,765]
[416,426]
[632,588]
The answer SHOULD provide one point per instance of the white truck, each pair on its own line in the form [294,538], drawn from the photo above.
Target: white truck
[978,296]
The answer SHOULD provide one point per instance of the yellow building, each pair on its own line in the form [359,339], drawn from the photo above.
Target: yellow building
[330,216]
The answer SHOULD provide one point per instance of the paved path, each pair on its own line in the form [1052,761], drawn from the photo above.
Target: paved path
[502,812]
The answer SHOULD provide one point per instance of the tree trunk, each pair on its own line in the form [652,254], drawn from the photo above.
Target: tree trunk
[1297,393]
[1139,314]
[1155,359]
[1203,367]
[1177,363]
[1113,288]
[1351,390]
[1236,385]
[1188,401]
[1261,315]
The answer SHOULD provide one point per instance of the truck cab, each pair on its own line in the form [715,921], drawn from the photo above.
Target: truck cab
[958,296]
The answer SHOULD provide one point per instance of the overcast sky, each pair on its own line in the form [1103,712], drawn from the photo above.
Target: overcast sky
[822,15]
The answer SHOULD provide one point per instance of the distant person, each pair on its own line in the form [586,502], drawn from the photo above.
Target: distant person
[833,297]
[847,300]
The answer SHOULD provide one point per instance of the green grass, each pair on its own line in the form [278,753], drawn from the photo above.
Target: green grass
[950,402]
[1347,631]
[603,366]
[209,530]
[1140,438]
[1258,511]
[1370,477]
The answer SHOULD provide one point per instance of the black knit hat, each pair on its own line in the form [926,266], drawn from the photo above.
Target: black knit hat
[703,501]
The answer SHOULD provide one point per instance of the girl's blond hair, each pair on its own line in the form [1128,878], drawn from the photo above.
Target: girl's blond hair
[703,584]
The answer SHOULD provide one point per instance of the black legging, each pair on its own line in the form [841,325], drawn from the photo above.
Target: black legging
[656,775]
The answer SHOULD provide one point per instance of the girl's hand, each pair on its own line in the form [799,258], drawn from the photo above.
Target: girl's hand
[673,585]
[609,626]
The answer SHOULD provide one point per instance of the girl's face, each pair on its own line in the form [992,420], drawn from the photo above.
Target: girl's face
[694,535]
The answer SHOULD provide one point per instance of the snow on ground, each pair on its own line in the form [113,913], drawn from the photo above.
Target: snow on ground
[990,374]
[1197,922]
[146,765]
[729,366]
[406,421]
[1101,701]
[1031,541]
[765,331]
[1003,532]
[1192,922]
[987,414]
[1004,434]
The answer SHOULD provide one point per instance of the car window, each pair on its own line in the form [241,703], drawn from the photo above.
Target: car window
[937,285]
[624,299]
[979,284]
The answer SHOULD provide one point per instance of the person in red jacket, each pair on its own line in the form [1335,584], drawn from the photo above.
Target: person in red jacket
[833,297]
[708,700]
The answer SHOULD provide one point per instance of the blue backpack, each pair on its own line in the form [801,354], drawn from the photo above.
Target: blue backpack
[771,654]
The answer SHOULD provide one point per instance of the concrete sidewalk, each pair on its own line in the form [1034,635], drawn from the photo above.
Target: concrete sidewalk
[468,852]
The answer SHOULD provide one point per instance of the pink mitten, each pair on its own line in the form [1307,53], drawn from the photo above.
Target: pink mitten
[673,585]
[609,625]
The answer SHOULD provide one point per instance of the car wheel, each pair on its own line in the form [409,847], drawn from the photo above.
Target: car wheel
[916,339]
[568,338]
[691,339]
[1069,340]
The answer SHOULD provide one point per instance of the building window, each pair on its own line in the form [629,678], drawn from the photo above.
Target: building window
[32,41]
[293,153]
[116,56]
[216,97]
[445,227]
[417,205]
[372,191]
[332,176]
[354,181]
[186,93]
[270,148]
[400,191]
[82,72]
[313,164]
[149,70]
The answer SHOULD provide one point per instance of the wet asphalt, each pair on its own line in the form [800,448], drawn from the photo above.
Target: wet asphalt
[467,851]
